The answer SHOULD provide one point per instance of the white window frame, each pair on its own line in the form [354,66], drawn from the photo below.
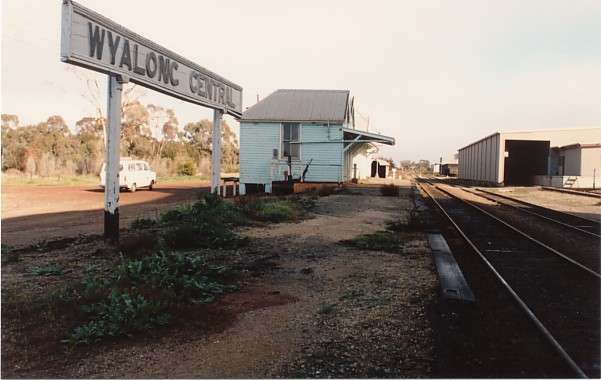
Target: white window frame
[291,142]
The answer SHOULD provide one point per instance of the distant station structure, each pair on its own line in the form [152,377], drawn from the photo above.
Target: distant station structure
[447,166]
[556,158]
[304,136]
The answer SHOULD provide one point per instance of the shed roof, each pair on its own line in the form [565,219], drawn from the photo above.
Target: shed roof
[301,106]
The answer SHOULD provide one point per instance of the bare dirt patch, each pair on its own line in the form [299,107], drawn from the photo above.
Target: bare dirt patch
[579,205]
[35,213]
[308,306]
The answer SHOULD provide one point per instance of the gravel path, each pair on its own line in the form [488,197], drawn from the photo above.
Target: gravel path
[311,304]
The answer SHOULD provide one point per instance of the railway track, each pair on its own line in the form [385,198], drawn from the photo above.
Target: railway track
[557,291]
[577,223]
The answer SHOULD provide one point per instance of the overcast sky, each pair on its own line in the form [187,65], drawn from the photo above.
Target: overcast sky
[435,75]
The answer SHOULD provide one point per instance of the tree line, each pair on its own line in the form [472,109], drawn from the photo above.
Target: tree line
[148,132]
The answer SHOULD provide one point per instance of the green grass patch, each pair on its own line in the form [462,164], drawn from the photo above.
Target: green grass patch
[328,309]
[272,210]
[380,241]
[184,178]
[353,294]
[50,181]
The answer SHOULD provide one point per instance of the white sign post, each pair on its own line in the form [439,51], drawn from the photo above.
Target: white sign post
[216,153]
[93,41]
[113,148]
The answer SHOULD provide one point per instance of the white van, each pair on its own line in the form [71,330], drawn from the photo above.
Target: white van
[133,174]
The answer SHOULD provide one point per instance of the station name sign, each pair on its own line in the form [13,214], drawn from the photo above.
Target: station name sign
[93,41]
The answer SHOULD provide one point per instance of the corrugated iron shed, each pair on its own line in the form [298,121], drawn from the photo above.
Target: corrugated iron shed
[300,106]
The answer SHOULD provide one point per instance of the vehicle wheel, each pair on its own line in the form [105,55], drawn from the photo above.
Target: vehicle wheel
[151,185]
[133,188]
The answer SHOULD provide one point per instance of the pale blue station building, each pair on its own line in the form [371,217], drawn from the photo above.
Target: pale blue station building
[304,136]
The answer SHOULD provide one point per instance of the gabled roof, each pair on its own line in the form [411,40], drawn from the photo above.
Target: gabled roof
[300,106]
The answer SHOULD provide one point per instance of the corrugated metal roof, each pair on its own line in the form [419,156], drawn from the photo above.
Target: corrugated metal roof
[363,136]
[300,105]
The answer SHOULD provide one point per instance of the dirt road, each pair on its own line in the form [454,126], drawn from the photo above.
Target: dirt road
[34,213]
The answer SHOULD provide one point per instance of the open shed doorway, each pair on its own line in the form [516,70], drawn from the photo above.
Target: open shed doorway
[379,168]
[525,159]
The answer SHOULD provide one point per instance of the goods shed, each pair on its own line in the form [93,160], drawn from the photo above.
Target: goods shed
[304,136]
[527,158]
[448,166]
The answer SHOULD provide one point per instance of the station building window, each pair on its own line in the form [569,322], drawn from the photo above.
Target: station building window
[290,140]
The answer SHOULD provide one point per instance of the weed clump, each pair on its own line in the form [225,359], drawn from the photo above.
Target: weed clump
[8,255]
[47,270]
[153,278]
[143,223]
[139,294]
[275,209]
[413,223]
[269,210]
[205,224]
[380,241]
[390,190]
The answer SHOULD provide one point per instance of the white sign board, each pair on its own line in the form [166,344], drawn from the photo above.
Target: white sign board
[95,42]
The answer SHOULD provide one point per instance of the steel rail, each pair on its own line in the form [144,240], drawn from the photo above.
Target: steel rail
[569,259]
[533,318]
[532,212]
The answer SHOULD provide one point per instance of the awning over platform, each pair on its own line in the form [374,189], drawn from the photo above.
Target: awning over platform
[352,136]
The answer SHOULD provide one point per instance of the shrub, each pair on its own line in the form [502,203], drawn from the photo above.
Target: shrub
[390,190]
[202,235]
[143,244]
[328,309]
[212,208]
[176,214]
[273,210]
[187,168]
[142,223]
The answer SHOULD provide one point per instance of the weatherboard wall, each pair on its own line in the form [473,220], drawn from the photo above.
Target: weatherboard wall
[257,142]
[322,146]
[321,149]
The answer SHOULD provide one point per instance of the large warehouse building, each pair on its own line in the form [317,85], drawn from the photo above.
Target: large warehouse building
[557,158]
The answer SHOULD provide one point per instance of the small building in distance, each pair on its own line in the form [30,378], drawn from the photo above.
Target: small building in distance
[304,136]
[380,168]
[447,166]
[557,158]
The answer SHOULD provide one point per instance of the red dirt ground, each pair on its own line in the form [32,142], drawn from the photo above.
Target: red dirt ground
[31,214]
